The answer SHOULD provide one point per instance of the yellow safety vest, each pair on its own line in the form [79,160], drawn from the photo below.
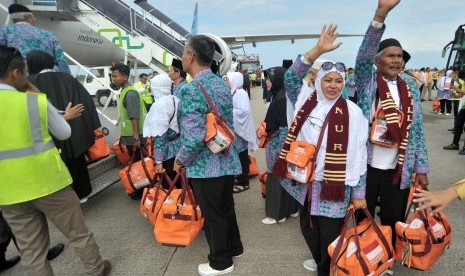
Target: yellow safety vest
[125,122]
[144,92]
[30,165]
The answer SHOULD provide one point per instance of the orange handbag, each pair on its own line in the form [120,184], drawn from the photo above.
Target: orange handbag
[422,241]
[253,168]
[263,135]
[138,175]
[121,152]
[365,249]
[437,105]
[99,149]
[301,161]
[153,197]
[179,220]
[218,136]
[379,134]
[262,177]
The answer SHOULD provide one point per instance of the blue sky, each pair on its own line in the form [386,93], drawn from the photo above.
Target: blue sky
[423,27]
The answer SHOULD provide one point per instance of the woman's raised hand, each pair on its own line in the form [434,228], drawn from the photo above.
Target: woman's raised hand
[327,37]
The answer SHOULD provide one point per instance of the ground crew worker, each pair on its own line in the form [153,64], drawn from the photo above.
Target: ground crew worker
[41,181]
[132,114]
[143,88]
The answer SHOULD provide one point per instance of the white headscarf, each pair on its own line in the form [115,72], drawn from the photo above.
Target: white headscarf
[163,112]
[160,86]
[358,130]
[242,113]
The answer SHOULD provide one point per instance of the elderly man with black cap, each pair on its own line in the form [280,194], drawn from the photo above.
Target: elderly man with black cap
[177,75]
[25,36]
[397,146]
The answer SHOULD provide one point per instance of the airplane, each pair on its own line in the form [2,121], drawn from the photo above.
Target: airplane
[92,48]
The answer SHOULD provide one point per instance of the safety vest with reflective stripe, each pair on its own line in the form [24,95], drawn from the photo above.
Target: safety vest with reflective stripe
[30,165]
[125,122]
[144,92]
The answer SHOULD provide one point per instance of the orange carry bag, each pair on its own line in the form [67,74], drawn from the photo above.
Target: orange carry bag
[422,241]
[179,220]
[253,168]
[379,134]
[263,135]
[138,175]
[437,105]
[121,152]
[262,177]
[99,149]
[154,195]
[365,249]
[301,161]
[218,136]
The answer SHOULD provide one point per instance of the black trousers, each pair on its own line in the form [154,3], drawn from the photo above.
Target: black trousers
[5,237]
[80,175]
[455,107]
[215,198]
[320,236]
[168,166]
[393,200]
[458,126]
[434,84]
[446,106]
[243,179]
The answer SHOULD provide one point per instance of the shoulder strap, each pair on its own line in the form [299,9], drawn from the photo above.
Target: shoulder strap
[209,100]
[174,111]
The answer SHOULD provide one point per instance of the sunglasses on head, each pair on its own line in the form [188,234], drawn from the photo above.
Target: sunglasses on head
[329,65]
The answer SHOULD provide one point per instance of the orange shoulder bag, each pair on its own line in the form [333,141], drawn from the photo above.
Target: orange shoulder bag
[423,240]
[99,149]
[364,249]
[218,136]
[263,135]
[379,134]
[301,158]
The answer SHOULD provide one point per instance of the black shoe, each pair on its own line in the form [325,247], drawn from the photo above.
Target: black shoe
[106,267]
[7,264]
[55,251]
[451,147]
[451,129]
[137,195]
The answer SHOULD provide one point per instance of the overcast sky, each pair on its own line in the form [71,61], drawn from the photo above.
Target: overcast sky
[423,27]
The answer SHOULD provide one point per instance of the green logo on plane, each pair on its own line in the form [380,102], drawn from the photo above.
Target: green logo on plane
[118,39]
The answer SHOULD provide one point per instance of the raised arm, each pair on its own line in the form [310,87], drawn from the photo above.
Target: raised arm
[296,73]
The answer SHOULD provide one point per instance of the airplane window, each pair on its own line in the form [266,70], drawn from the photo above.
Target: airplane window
[99,73]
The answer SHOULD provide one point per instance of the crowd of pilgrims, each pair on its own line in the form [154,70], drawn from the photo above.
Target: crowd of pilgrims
[360,157]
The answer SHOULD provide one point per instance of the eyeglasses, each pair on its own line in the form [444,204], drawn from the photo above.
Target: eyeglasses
[315,122]
[329,65]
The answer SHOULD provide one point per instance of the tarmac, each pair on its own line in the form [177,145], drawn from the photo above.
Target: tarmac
[127,239]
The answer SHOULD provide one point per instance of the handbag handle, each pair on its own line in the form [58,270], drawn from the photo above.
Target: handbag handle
[144,166]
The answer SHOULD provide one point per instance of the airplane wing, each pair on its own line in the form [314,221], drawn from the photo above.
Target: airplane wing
[237,41]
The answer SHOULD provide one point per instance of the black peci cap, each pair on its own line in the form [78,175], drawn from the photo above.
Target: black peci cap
[176,63]
[393,42]
[15,8]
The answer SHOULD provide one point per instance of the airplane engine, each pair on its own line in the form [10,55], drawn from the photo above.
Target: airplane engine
[223,49]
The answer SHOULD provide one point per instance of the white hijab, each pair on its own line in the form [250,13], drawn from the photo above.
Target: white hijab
[358,130]
[160,86]
[163,112]
[242,113]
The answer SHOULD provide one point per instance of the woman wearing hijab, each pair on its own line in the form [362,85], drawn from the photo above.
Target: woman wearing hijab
[62,89]
[444,92]
[278,204]
[243,127]
[161,122]
[341,162]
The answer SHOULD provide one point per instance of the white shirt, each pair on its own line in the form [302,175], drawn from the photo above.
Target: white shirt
[385,158]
